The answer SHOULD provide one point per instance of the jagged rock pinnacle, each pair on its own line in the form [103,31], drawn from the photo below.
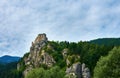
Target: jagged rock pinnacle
[41,37]
[39,42]
[37,55]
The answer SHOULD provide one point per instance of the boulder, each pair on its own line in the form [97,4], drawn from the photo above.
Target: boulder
[78,71]
[75,71]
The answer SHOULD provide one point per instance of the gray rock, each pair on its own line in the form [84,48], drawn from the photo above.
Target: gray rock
[65,52]
[78,71]
[75,70]
[37,56]
[27,70]
[85,71]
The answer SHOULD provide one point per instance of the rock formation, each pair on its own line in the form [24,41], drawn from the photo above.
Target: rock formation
[85,71]
[74,71]
[65,52]
[74,68]
[78,71]
[37,56]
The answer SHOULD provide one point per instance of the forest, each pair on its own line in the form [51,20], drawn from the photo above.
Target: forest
[101,56]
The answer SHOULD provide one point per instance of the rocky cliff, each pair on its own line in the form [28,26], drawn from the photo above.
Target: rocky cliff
[40,56]
[74,68]
[37,56]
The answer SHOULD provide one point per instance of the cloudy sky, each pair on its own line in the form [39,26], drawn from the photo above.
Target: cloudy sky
[72,20]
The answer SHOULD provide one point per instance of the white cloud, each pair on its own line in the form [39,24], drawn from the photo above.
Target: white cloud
[72,20]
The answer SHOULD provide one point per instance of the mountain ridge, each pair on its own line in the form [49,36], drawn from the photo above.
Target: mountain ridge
[106,41]
[8,59]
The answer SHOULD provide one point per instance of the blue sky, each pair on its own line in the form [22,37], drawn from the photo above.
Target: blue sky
[72,20]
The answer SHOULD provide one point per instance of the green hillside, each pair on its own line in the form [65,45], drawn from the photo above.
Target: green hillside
[107,41]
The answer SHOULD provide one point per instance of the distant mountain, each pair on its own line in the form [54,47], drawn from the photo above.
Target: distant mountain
[107,41]
[8,59]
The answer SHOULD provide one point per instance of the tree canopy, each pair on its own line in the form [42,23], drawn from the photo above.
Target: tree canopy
[54,72]
[109,66]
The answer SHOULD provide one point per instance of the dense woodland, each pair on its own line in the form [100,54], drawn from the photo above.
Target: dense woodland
[95,54]
[9,71]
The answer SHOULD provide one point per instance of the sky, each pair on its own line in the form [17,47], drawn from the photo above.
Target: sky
[72,20]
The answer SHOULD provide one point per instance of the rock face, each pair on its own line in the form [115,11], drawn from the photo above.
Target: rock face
[37,56]
[65,52]
[78,71]
[85,71]
[72,59]
[74,71]
[74,68]
[35,50]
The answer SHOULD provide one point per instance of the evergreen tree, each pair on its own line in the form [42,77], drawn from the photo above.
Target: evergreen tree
[109,66]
